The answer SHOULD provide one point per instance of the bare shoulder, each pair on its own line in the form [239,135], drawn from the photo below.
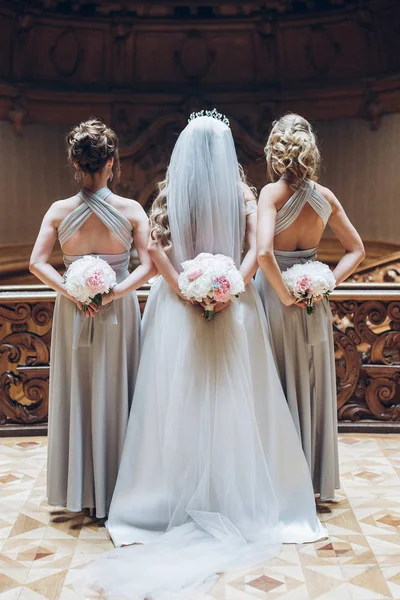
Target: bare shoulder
[131,209]
[328,194]
[61,209]
[249,194]
[274,194]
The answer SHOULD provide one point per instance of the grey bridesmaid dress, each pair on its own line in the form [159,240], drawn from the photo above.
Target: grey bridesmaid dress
[93,368]
[304,351]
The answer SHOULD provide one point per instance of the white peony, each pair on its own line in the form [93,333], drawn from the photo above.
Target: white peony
[309,280]
[211,279]
[88,277]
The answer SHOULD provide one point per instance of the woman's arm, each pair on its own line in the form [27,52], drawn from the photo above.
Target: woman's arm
[249,264]
[347,236]
[146,269]
[164,266]
[265,243]
[39,262]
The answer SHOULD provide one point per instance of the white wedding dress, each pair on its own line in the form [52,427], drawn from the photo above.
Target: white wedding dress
[212,476]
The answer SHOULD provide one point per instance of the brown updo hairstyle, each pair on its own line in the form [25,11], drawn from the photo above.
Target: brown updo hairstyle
[91,144]
[292,150]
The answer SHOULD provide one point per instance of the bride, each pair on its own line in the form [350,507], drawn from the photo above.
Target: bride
[212,476]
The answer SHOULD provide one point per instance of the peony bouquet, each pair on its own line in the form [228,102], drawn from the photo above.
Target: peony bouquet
[88,278]
[210,279]
[308,281]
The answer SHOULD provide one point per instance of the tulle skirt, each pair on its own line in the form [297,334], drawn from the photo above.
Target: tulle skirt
[212,475]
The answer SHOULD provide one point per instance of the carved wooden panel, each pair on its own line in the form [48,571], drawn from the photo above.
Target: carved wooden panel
[383,270]
[388,273]
[67,53]
[367,350]
[328,50]
[25,331]
[336,62]
[208,55]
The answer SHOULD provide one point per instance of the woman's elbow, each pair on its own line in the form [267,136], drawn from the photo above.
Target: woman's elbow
[264,255]
[152,248]
[359,252]
[152,271]
[363,254]
[33,267]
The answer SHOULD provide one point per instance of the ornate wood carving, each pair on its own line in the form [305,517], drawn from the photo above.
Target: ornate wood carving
[321,49]
[25,331]
[66,52]
[195,56]
[367,352]
[385,270]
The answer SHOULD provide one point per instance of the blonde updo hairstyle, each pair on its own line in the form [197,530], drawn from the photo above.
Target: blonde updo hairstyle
[90,145]
[292,150]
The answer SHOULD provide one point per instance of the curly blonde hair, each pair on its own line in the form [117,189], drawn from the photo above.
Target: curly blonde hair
[291,150]
[160,230]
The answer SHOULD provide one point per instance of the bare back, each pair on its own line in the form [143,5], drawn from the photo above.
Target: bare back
[307,228]
[93,236]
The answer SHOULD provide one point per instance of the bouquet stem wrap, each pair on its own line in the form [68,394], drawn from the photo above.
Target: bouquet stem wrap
[209,312]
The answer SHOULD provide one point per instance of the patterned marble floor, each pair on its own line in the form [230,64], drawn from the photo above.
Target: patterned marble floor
[40,546]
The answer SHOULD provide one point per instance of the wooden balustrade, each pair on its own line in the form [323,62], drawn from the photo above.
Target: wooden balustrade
[367,350]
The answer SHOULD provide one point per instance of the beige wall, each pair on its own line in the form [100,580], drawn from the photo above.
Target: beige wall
[33,173]
[362,167]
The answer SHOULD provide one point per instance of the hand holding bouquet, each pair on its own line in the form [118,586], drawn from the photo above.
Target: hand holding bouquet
[88,278]
[308,281]
[210,279]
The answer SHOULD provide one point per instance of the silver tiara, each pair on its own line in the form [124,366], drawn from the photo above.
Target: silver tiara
[210,113]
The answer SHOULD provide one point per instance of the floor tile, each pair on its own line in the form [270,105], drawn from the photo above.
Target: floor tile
[41,546]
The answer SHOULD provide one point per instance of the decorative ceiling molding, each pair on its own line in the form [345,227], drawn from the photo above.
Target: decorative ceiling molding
[178,10]
[337,63]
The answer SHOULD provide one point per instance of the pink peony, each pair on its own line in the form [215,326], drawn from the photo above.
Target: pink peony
[221,289]
[302,285]
[194,273]
[96,283]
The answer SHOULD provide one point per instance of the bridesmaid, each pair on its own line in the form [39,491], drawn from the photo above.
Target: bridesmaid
[94,357]
[292,215]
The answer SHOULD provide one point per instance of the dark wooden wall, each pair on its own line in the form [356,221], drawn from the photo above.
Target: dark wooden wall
[145,68]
